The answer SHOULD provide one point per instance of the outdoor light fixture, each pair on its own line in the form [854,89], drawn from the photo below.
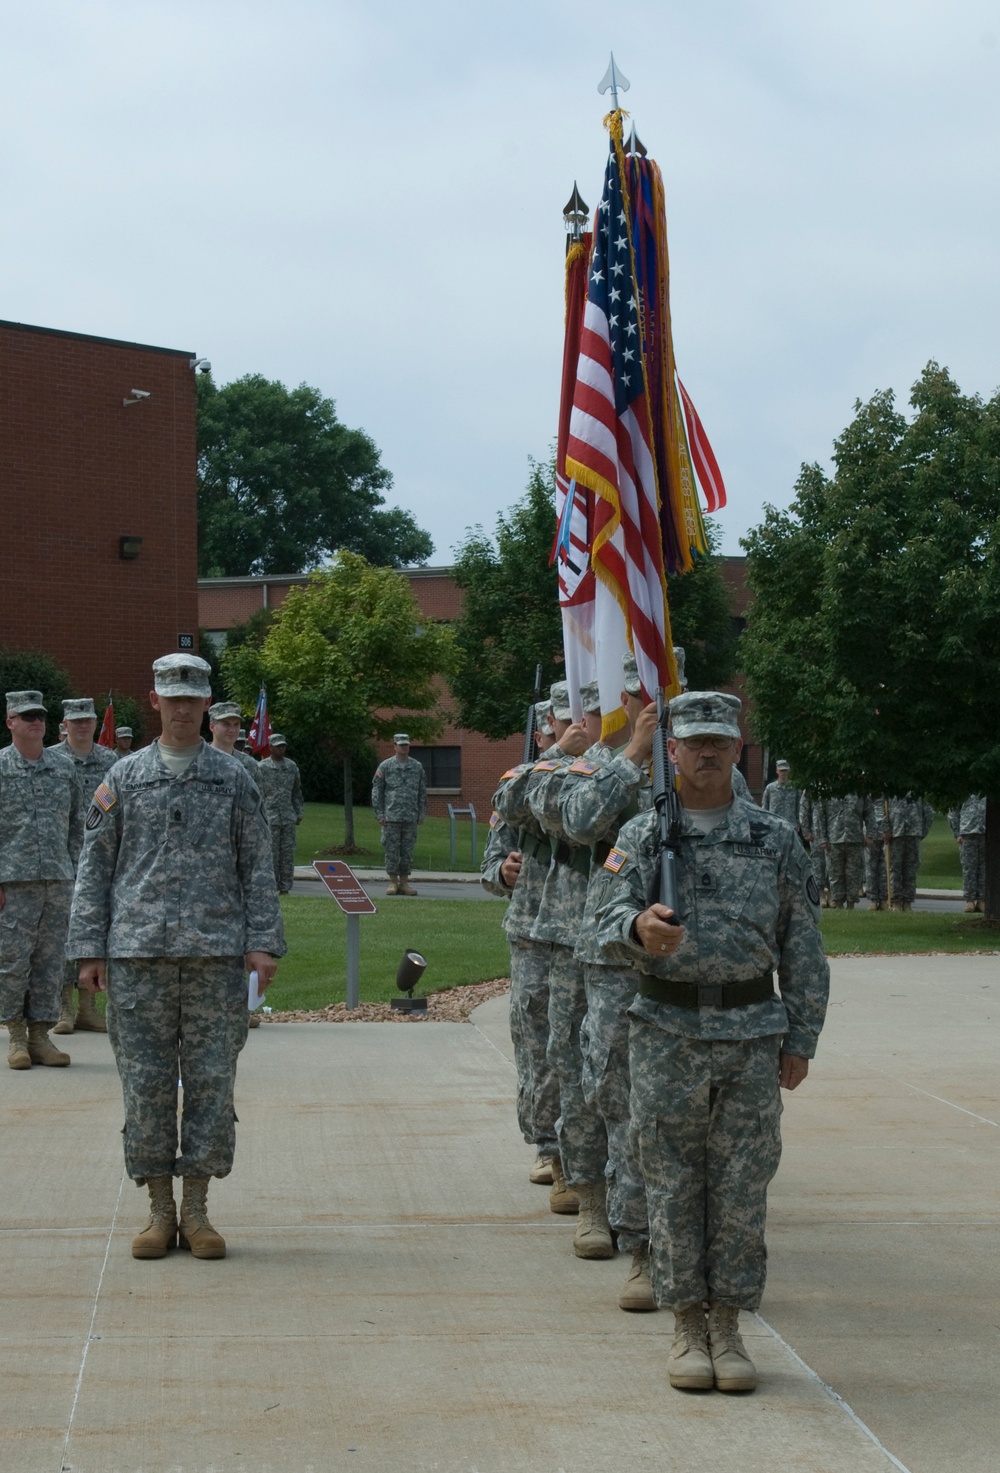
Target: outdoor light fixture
[128,548]
[408,974]
[575,217]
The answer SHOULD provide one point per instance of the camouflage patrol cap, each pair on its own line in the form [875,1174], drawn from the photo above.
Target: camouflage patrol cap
[400,739]
[543,717]
[182,675]
[631,684]
[81,709]
[705,713]
[277,740]
[223,710]
[123,731]
[781,765]
[19,701]
[559,698]
[590,695]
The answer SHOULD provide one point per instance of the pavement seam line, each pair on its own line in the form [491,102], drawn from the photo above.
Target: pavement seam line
[895,1078]
[834,1396]
[63,1463]
[508,1062]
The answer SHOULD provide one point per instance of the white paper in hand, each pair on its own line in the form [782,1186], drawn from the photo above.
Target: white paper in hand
[254,998]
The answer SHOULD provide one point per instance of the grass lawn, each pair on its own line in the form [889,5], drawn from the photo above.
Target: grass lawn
[323,826]
[940,864]
[854,932]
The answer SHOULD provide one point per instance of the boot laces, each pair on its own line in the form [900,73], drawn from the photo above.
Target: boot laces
[724,1327]
[691,1331]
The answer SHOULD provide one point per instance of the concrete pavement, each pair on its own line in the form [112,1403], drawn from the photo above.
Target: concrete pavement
[397,1295]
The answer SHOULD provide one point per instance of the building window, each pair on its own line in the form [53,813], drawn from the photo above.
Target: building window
[216,638]
[442,767]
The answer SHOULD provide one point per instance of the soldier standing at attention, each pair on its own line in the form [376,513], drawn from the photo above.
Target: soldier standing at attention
[224,724]
[281,788]
[711,1040]
[968,824]
[175,901]
[399,798]
[90,763]
[780,798]
[123,741]
[844,845]
[908,823]
[41,826]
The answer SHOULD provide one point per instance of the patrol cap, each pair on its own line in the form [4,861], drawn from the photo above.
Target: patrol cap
[222,710]
[590,695]
[781,765]
[705,713]
[123,731]
[543,717]
[19,701]
[401,739]
[81,709]
[182,675]
[631,684]
[559,699]
[277,740]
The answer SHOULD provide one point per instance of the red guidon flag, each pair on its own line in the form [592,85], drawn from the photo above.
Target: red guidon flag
[259,736]
[107,736]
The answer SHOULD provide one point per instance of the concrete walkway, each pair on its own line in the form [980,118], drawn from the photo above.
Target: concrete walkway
[397,1295]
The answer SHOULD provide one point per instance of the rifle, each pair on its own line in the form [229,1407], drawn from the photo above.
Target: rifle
[668,810]
[529,729]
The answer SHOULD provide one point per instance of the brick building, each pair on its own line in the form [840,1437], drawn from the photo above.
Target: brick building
[98,558]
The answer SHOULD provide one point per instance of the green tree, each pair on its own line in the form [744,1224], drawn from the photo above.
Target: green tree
[348,658]
[873,647]
[282,484]
[701,620]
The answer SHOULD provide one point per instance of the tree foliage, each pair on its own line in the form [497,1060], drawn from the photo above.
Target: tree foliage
[701,620]
[873,647]
[282,484]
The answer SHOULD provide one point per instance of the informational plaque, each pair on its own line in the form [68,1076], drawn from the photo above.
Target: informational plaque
[345,887]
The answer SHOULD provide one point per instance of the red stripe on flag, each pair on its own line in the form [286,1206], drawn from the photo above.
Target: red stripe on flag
[706,467]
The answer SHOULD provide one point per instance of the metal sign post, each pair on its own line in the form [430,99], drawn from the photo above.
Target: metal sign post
[346,889]
[454,813]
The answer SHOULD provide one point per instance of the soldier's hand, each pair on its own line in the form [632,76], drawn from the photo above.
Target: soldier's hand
[264,964]
[93,974]
[641,742]
[574,741]
[657,932]
[792,1069]
[511,868]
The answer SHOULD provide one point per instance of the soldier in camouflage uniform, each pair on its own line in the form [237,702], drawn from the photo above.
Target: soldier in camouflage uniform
[968,824]
[876,878]
[90,763]
[910,822]
[174,903]
[399,798]
[123,741]
[711,1040]
[812,827]
[224,724]
[41,827]
[280,787]
[514,866]
[780,797]
[843,841]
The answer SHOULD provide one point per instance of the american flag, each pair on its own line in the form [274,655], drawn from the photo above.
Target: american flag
[609,443]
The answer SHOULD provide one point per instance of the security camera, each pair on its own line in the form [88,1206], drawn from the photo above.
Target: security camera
[141,393]
[201,365]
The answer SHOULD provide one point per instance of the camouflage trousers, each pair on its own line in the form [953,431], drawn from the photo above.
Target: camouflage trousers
[818,857]
[283,850]
[707,1119]
[33,926]
[537,1086]
[399,841]
[876,880]
[905,860]
[170,1019]
[580,1130]
[846,868]
[973,852]
[610,992]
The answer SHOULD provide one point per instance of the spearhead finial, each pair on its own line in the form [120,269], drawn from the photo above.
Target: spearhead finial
[611,81]
[575,215]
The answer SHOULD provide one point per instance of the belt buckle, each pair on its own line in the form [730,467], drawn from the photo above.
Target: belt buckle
[709,995]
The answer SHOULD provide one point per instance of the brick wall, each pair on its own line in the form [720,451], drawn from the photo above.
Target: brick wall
[79,470]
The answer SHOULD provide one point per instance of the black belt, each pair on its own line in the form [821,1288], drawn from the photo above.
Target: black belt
[707,995]
[537,849]
[574,855]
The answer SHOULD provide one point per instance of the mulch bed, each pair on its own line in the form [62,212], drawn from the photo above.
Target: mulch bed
[452,1006]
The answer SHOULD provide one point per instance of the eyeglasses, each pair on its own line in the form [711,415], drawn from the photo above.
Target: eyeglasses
[695,743]
[32,715]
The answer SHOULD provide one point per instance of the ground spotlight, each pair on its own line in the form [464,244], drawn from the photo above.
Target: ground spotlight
[408,974]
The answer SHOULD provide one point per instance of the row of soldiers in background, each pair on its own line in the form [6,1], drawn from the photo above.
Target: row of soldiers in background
[862,845]
[575,1014]
[39,858]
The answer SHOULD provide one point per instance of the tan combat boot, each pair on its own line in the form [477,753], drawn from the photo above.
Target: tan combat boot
[970,907]
[67,1010]
[17,1050]
[562,1198]
[195,1230]
[405,888]
[637,1295]
[88,1019]
[41,1049]
[592,1238]
[689,1367]
[393,886]
[734,1370]
[541,1172]
[160,1233]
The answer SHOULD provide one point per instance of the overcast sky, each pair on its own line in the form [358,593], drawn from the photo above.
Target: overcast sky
[368,198]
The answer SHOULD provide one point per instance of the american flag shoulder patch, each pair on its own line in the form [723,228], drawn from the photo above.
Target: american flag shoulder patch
[494,819]
[513,772]
[546,766]
[583,769]
[105,798]
[615,860]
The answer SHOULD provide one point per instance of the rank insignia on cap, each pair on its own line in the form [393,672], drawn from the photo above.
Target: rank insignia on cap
[583,769]
[105,798]
[615,860]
